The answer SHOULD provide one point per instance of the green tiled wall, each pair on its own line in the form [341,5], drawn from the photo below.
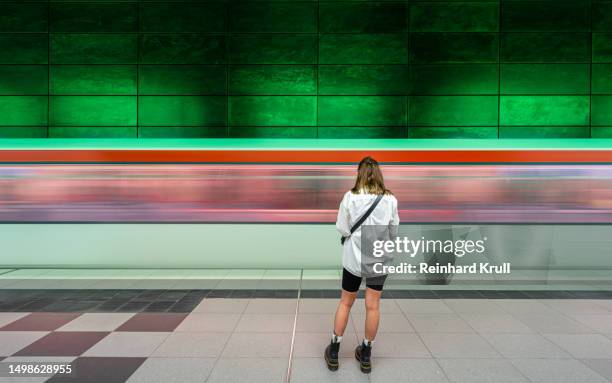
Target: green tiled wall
[306,68]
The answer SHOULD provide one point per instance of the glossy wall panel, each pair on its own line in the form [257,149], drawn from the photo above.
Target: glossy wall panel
[306,68]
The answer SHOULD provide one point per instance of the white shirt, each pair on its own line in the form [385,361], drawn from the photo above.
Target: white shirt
[351,209]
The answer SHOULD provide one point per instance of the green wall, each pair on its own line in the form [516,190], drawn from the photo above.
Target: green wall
[306,69]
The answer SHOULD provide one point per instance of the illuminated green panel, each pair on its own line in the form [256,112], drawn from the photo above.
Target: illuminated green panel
[473,47]
[602,110]
[364,79]
[182,132]
[181,111]
[367,17]
[454,79]
[93,48]
[363,49]
[362,111]
[273,132]
[93,79]
[182,49]
[362,132]
[92,132]
[273,17]
[272,110]
[545,78]
[288,144]
[544,110]
[183,79]
[545,47]
[306,68]
[93,17]
[545,16]
[183,17]
[92,111]
[453,111]
[544,132]
[23,17]
[452,132]
[23,79]
[273,79]
[461,17]
[273,49]
[23,48]
[602,78]
[602,16]
[23,110]
[23,132]
[602,47]
[596,132]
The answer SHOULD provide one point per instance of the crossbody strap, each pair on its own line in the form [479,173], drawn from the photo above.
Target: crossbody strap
[365,216]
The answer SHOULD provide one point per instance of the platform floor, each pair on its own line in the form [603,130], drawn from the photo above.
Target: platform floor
[244,329]
[262,339]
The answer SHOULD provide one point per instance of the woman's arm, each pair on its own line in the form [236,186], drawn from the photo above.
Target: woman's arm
[395,221]
[395,215]
[343,221]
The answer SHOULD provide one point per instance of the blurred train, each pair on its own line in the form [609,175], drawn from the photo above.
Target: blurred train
[270,205]
[275,193]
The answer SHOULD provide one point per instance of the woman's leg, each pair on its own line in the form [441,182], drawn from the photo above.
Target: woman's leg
[372,303]
[342,312]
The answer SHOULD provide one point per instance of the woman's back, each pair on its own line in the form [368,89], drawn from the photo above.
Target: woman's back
[355,204]
[358,204]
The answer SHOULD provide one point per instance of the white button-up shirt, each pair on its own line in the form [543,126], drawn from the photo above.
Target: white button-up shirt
[351,209]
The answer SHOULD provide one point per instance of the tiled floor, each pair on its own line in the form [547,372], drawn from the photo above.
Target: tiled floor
[257,325]
[251,339]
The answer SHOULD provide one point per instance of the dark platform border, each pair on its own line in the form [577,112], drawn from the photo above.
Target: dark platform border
[184,301]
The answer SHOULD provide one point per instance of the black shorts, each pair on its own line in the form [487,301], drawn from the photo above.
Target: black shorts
[352,282]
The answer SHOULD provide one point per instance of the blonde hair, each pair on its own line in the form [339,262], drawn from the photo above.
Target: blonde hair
[369,178]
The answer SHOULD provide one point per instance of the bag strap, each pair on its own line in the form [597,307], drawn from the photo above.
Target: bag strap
[365,215]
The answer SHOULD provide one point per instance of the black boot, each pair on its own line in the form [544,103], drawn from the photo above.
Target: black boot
[362,354]
[331,355]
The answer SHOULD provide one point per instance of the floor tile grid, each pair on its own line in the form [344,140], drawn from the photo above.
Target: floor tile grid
[103,301]
[295,319]
[537,331]
[418,334]
[83,354]
[439,361]
[570,317]
[569,309]
[514,368]
[216,362]
[554,312]
[396,304]
[514,361]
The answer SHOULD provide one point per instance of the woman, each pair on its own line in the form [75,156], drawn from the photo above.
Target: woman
[369,192]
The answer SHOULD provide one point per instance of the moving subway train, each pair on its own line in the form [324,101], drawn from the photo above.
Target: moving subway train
[300,193]
[543,211]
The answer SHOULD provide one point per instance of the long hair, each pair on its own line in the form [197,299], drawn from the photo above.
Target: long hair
[369,178]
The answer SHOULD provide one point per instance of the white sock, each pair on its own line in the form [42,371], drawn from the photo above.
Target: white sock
[336,338]
[368,342]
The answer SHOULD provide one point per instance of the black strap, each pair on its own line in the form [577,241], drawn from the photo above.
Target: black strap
[365,216]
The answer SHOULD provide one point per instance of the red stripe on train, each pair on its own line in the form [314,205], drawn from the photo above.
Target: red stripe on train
[307,156]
